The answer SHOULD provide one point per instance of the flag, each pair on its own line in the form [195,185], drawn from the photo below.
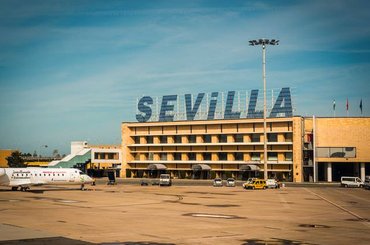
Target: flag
[347,105]
[361,106]
[333,105]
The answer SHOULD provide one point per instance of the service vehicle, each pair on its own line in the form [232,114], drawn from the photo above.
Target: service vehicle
[348,181]
[230,182]
[217,182]
[255,184]
[272,183]
[165,180]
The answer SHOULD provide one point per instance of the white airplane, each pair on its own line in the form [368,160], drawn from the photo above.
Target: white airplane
[26,177]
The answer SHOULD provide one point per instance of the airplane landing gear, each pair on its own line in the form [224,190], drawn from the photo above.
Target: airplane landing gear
[14,188]
[82,187]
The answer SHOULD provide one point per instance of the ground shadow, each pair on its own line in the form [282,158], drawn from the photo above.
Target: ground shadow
[275,241]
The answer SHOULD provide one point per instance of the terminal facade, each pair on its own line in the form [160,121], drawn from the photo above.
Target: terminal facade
[299,149]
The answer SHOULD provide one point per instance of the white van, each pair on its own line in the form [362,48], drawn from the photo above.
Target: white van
[346,181]
[272,183]
[165,179]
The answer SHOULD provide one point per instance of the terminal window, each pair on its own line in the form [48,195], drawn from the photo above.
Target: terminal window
[207,138]
[272,137]
[178,139]
[272,156]
[223,138]
[163,156]
[177,156]
[336,152]
[288,156]
[207,156]
[238,138]
[191,156]
[255,138]
[192,139]
[149,139]
[288,137]
[150,156]
[238,156]
[222,156]
[163,139]
[137,139]
[256,156]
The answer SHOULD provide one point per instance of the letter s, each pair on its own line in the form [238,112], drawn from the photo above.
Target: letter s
[145,109]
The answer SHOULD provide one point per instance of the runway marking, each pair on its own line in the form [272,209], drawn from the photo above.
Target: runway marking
[360,218]
[219,216]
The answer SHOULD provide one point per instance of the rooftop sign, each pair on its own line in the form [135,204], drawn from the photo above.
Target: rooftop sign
[215,105]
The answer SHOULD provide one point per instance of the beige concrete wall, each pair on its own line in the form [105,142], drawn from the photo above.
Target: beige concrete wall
[344,132]
[126,153]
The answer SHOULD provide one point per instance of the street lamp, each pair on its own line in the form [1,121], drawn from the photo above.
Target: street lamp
[264,42]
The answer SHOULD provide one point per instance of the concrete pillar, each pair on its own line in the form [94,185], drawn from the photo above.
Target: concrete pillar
[362,170]
[329,172]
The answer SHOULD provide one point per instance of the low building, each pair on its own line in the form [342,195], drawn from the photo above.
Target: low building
[95,159]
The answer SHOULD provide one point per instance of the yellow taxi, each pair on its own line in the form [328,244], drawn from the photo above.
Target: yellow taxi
[255,184]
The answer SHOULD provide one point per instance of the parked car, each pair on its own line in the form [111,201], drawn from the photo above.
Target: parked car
[272,183]
[255,184]
[347,181]
[165,179]
[144,183]
[230,182]
[367,182]
[217,182]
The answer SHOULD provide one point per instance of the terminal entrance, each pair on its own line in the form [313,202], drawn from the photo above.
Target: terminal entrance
[344,169]
[339,169]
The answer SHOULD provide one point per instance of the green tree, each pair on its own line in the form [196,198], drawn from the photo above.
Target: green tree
[15,160]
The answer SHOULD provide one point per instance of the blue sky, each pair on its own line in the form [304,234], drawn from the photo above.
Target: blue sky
[72,70]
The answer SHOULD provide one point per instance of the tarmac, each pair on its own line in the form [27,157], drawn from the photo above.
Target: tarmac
[185,213]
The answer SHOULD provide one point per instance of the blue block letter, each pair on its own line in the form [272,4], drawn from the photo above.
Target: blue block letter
[145,109]
[166,107]
[287,109]
[212,106]
[252,113]
[190,113]
[229,114]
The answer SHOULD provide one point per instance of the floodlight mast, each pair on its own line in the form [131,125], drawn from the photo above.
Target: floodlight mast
[264,42]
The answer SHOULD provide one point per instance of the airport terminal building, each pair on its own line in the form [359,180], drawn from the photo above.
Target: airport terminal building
[299,149]
[222,135]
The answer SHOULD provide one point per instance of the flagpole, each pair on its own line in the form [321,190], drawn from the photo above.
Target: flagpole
[334,107]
